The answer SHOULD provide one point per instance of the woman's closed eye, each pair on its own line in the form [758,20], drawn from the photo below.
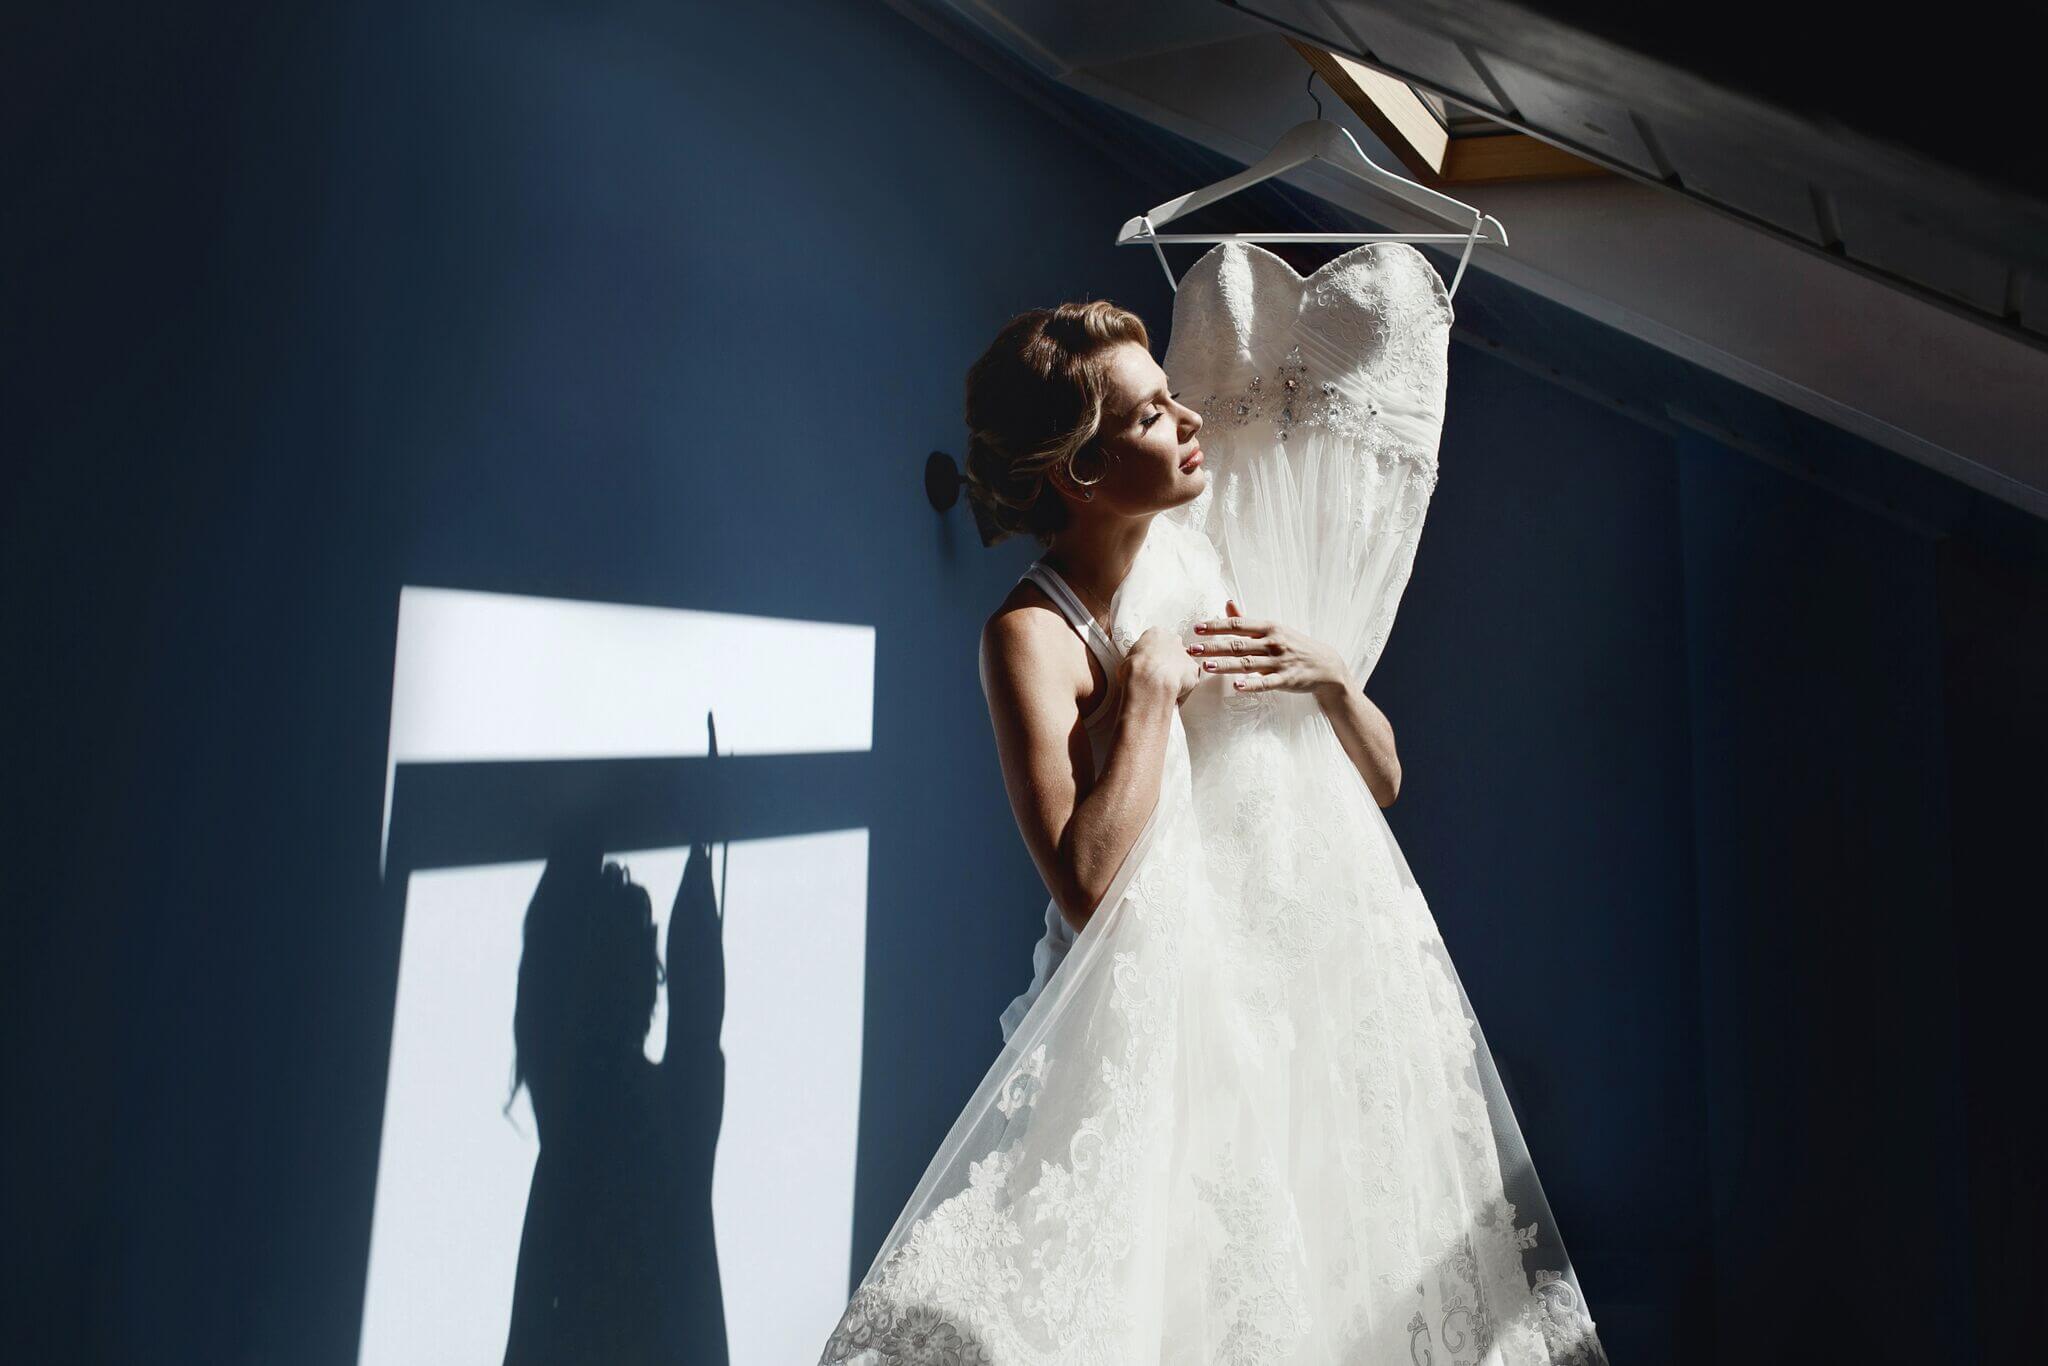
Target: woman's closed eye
[1155,416]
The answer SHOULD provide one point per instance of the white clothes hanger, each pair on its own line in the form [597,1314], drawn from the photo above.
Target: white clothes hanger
[1318,139]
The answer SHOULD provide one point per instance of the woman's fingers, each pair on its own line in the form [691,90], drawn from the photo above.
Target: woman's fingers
[1264,662]
[1240,646]
[1234,622]
[1275,681]
[1257,651]
[1250,638]
[1234,625]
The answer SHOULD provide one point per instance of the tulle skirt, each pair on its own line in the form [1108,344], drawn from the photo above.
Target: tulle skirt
[1252,1118]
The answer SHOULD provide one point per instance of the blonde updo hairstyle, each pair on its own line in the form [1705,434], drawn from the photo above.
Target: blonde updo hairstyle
[1034,402]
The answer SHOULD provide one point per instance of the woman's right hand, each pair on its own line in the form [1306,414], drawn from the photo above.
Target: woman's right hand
[1159,661]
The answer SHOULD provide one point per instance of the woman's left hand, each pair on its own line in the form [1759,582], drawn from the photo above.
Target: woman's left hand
[1264,656]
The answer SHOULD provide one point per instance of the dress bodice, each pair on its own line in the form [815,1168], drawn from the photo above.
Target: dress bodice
[1357,348]
[1366,330]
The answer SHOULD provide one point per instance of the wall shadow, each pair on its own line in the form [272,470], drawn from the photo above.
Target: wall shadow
[617,1260]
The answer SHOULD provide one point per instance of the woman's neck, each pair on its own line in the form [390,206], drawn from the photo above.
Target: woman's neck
[1095,559]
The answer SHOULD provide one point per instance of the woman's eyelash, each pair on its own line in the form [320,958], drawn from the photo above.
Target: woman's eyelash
[1155,416]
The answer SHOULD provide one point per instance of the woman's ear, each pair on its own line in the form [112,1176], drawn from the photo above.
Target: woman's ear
[1063,476]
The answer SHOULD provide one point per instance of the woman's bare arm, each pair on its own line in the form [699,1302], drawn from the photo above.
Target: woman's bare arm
[1368,738]
[1078,825]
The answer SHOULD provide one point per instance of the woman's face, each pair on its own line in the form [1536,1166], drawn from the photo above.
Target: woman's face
[1151,454]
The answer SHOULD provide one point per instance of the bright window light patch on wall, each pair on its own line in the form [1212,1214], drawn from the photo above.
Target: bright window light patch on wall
[771,936]
[482,676]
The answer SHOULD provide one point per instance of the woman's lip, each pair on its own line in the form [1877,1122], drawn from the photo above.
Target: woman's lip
[1194,461]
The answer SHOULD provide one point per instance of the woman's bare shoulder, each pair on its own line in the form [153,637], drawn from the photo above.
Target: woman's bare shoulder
[1028,639]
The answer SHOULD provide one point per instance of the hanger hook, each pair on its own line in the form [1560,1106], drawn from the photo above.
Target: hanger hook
[1310,88]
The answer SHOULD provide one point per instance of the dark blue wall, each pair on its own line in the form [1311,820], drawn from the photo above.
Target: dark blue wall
[1709,773]
[632,304]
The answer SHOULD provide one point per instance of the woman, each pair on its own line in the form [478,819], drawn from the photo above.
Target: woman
[1243,1114]
[1079,442]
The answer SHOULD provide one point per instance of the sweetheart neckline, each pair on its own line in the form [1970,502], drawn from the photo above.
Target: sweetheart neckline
[1300,279]
[1303,283]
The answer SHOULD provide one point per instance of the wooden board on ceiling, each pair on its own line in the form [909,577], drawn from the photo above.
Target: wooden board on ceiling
[1437,156]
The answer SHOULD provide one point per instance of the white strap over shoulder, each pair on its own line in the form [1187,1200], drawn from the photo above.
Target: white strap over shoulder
[1075,611]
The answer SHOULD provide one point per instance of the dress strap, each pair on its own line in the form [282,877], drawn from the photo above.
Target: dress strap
[1075,611]
[1092,635]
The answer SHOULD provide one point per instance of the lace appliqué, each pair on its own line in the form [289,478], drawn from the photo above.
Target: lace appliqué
[1022,1085]
[995,1275]
[1566,1326]
[1253,1282]
[887,1334]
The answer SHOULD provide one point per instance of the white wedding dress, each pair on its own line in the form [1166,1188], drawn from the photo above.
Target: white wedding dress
[1247,1116]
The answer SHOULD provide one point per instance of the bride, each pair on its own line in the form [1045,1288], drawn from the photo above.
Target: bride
[1243,1114]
